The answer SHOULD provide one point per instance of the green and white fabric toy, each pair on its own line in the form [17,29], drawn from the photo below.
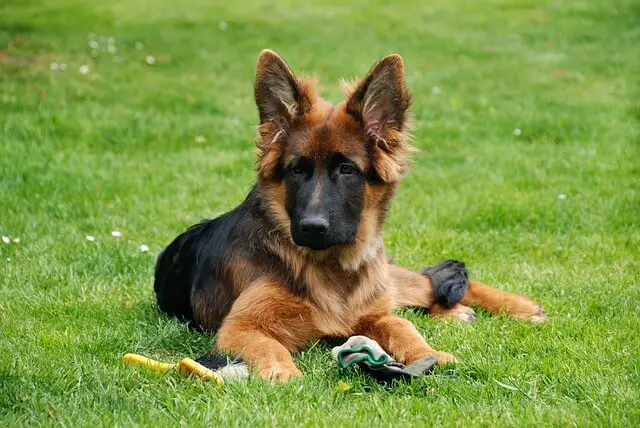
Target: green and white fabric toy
[367,354]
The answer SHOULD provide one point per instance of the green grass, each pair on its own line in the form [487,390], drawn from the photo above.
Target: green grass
[115,149]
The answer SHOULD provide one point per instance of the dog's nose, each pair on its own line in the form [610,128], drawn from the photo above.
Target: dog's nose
[314,226]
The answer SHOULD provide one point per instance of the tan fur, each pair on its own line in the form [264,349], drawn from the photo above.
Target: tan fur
[412,290]
[265,325]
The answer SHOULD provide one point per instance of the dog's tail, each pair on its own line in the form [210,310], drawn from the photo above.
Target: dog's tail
[450,281]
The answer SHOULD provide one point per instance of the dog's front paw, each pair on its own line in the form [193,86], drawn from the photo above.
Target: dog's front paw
[450,281]
[445,358]
[278,373]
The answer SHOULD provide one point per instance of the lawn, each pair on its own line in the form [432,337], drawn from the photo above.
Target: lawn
[138,116]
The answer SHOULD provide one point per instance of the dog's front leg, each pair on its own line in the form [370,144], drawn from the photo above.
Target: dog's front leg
[400,338]
[268,358]
[265,325]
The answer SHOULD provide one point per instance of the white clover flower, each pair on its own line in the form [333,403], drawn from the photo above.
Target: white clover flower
[150,60]
[16,240]
[54,66]
[93,44]
[116,234]
[84,69]
[517,132]
[6,239]
[144,248]
[562,196]
[201,139]
[90,238]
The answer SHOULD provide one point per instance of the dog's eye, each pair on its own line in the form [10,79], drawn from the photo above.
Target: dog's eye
[345,168]
[296,169]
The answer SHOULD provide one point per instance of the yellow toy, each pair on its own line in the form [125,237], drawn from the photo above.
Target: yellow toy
[186,367]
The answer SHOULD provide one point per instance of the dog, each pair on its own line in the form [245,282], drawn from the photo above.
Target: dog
[302,258]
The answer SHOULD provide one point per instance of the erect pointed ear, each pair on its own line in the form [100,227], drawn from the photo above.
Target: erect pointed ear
[277,91]
[380,102]
[281,100]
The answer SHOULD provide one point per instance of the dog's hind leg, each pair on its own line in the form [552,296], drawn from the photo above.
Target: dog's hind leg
[446,291]
[439,292]
[502,302]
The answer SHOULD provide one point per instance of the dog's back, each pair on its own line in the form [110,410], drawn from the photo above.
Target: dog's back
[194,264]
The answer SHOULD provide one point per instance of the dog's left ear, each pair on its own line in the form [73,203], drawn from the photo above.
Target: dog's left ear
[380,102]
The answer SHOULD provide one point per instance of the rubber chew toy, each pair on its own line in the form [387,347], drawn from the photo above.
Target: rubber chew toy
[219,371]
[156,366]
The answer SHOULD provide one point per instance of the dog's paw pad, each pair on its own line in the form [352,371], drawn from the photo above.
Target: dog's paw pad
[465,315]
[539,317]
[445,358]
[279,374]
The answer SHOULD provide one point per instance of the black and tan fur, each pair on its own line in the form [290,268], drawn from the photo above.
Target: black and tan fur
[302,257]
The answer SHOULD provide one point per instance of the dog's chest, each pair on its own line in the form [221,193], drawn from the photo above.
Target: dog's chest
[340,301]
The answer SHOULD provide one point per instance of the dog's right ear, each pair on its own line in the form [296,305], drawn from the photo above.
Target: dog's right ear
[281,100]
[277,91]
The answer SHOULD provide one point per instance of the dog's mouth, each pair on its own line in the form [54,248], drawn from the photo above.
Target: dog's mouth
[317,244]
[321,243]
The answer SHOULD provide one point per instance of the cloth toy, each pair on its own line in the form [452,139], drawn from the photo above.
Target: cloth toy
[373,360]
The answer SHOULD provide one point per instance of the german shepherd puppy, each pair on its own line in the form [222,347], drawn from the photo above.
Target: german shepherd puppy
[302,257]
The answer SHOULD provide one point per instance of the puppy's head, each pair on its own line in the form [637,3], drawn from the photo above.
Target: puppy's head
[330,170]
